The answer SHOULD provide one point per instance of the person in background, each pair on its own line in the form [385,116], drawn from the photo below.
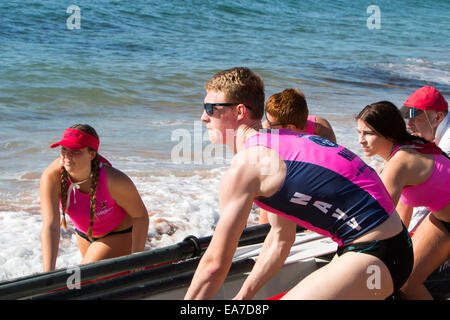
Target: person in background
[102,202]
[305,180]
[292,116]
[416,173]
[426,111]
[288,110]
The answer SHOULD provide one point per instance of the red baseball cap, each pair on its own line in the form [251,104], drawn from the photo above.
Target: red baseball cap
[76,139]
[425,98]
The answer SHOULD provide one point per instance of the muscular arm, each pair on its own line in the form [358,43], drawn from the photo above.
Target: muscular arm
[405,213]
[393,177]
[274,252]
[243,181]
[236,194]
[124,192]
[50,213]
[404,169]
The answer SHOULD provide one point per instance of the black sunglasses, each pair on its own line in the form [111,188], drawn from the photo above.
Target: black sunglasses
[273,124]
[209,107]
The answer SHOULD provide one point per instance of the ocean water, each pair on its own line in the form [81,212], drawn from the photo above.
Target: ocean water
[135,71]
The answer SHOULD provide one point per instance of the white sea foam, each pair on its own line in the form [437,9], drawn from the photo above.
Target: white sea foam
[419,69]
[20,245]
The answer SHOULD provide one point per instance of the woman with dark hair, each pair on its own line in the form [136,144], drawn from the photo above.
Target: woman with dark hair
[103,204]
[416,172]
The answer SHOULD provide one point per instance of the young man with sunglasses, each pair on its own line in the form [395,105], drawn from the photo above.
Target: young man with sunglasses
[306,180]
[426,111]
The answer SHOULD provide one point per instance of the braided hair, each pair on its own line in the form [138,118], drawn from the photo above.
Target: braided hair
[64,176]
[95,164]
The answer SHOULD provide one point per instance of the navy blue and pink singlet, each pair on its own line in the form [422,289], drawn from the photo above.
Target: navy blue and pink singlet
[330,190]
[327,189]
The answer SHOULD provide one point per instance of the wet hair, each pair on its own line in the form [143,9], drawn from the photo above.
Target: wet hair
[288,107]
[385,118]
[240,85]
[95,170]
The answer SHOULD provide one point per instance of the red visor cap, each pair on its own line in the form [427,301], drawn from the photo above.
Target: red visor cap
[75,139]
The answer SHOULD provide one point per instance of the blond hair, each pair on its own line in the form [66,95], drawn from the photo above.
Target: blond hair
[240,85]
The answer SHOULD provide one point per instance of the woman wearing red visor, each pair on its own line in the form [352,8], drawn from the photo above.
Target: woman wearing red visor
[103,203]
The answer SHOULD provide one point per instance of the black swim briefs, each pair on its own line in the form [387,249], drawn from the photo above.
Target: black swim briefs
[396,253]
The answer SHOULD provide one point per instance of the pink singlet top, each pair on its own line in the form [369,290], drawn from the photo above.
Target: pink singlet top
[108,214]
[310,124]
[327,189]
[434,193]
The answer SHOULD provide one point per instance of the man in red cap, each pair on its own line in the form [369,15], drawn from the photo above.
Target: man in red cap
[427,113]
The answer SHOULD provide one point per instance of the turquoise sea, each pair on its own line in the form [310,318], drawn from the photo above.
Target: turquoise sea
[135,71]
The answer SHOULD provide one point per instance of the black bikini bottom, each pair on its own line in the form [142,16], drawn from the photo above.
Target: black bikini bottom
[396,253]
[84,236]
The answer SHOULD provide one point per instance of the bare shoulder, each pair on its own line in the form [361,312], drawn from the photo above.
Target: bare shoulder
[323,122]
[259,159]
[411,159]
[117,180]
[260,167]
[50,184]
[243,168]
[324,129]
[409,166]
[399,162]
[52,172]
